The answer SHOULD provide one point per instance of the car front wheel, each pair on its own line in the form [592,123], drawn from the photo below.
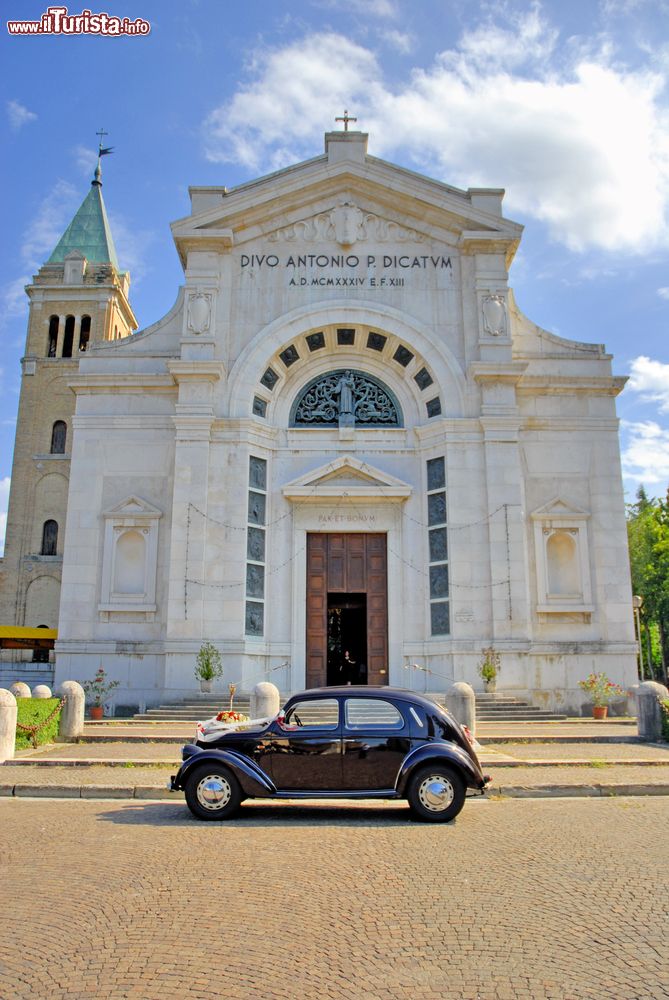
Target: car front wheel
[212,792]
[436,793]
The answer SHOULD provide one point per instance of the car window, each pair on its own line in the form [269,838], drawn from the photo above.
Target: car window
[321,713]
[366,713]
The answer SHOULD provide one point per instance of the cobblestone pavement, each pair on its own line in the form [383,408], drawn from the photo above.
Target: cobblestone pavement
[557,900]
[518,751]
[105,751]
[584,727]
[581,751]
[90,776]
[506,780]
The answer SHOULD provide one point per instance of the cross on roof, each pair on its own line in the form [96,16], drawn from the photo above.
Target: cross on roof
[346,119]
[101,133]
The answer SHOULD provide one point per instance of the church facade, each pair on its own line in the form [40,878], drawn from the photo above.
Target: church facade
[345,454]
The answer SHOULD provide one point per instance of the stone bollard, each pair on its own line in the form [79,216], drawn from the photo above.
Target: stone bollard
[650,714]
[461,703]
[72,713]
[20,690]
[265,701]
[42,691]
[8,712]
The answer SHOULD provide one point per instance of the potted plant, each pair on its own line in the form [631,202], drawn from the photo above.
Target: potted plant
[208,666]
[98,690]
[601,691]
[488,668]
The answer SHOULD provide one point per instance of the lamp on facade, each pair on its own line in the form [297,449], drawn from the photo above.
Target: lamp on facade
[637,604]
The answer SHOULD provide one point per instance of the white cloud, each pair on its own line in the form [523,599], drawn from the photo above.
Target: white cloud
[86,159]
[401,41]
[132,247]
[617,8]
[651,380]
[19,115]
[663,293]
[578,140]
[645,458]
[286,105]
[39,240]
[4,500]
[14,298]
[366,8]
[52,217]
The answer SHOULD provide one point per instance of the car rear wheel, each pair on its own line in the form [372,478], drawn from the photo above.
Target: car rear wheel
[436,793]
[212,792]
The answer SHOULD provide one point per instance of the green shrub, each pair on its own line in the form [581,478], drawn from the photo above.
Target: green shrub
[33,712]
[664,705]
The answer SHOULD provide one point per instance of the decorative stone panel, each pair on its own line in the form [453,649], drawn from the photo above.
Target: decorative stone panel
[562,558]
[130,557]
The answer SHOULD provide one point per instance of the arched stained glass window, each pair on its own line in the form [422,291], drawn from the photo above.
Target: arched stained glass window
[346,398]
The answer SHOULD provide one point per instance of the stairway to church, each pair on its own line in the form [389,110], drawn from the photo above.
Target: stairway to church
[489,708]
[194,710]
[506,708]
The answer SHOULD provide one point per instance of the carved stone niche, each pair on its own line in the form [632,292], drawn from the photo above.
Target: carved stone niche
[562,558]
[130,557]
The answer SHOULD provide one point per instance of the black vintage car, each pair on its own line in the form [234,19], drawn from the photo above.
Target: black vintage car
[338,742]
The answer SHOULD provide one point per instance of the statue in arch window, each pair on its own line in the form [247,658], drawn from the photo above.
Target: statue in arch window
[346,398]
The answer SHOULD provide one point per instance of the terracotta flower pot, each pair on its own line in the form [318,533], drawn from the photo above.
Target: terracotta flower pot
[600,711]
[97,711]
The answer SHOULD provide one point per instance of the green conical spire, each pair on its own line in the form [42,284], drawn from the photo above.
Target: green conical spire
[89,231]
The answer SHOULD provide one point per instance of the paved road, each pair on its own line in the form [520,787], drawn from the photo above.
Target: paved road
[559,899]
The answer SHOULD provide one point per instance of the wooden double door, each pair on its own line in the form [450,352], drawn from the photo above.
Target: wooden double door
[347,609]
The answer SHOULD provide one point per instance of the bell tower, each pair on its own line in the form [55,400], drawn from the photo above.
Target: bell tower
[79,298]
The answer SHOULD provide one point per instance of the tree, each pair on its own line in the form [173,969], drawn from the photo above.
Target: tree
[648,533]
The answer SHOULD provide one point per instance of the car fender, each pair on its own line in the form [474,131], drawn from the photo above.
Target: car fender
[445,753]
[254,782]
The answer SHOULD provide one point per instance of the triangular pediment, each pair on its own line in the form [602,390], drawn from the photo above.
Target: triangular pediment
[133,506]
[347,477]
[348,203]
[559,508]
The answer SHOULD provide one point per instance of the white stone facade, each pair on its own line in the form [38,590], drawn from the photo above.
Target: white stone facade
[167,421]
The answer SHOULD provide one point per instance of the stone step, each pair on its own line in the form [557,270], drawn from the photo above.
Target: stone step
[522,717]
[507,708]
[498,699]
[513,710]
[215,705]
[190,711]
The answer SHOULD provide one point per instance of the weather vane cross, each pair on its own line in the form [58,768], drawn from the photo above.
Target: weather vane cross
[101,150]
[346,119]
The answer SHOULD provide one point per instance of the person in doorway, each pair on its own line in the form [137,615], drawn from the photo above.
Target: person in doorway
[350,669]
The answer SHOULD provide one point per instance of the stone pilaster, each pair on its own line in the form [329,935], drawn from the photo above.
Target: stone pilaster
[503,476]
[193,421]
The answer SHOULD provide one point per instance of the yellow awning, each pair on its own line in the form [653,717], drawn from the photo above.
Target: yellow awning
[20,637]
[21,632]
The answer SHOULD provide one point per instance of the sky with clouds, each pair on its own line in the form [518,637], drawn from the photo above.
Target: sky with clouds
[564,104]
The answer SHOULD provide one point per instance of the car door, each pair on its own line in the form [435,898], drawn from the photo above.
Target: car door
[305,749]
[376,739]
